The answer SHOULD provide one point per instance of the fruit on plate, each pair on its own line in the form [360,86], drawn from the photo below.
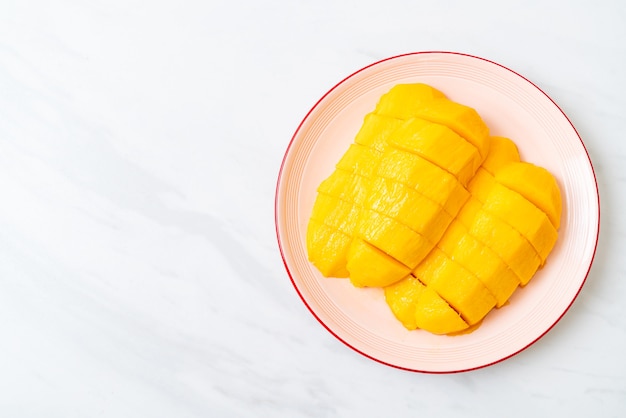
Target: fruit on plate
[428,206]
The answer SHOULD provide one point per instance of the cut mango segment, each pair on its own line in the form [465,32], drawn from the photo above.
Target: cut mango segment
[368,266]
[393,238]
[462,119]
[402,300]
[480,186]
[415,305]
[502,151]
[456,285]
[435,315]
[327,249]
[360,160]
[335,213]
[530,221]
[408,207]
[376,130]
[404,101]
[422,175]
[440,145]
[535,184]
[469,211]
[346,186]
[504,240]
[480,260]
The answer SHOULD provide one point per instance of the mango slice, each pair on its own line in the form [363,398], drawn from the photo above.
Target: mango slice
[439,145]
[504,240]
[376,130]
[480,260]
[427,178]
[405,101]
[502,152]
[408,207]
[395,239]
[328,249]
[344,185]
[360,160]
[434,314]
[402,299]
[530,221]
[416,305]
[535,184]
[456,285]
[371,267]
[335,213]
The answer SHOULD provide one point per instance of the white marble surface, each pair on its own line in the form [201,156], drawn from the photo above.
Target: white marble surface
[140,144]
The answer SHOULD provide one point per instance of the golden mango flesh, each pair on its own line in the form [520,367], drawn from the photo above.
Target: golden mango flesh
[426,205]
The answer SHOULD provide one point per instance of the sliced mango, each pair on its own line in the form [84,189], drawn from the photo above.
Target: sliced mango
[422,175]
[335,213]
[509,244]
[404,101]
[440,145]
[370,267]
[502,151]
[535,184]
[428,206]
[360,160]
[480,186]
[462,119]
[530,221]
[376,130]
[435,315]
[469,211]
[415,305]
[393,238]
[408,207]
[402,300]
[457,286]
[327,249]
[480,260]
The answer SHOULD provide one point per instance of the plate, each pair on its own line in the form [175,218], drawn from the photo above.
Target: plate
[513,107]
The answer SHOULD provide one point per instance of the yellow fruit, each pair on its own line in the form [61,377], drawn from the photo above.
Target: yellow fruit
[501,152]
[469,211]
[535,184]
[435,315]
[505,241]
[428,206]
[439,145]
[360,160]
[402,299]
[409,207]
[403,101]
[393,238]
[462,119]
[376,130]
[425,177]
[370,267]
[456,285]
[480,260]
[415,305]
[327,249]
[346,186]
[481,184]
[530,221]
[335,213]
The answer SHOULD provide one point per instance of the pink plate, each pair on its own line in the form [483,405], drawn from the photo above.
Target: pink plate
[511,106]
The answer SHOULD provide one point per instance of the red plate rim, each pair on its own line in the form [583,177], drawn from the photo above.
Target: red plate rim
[280,245]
